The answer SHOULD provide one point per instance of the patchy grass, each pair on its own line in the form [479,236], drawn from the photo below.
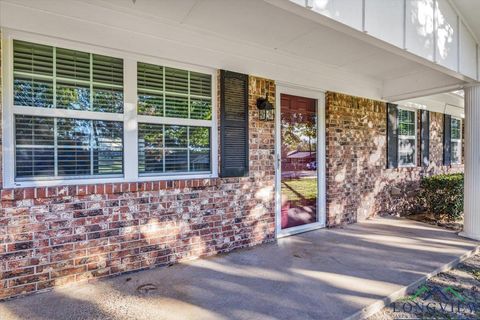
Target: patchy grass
[300,189]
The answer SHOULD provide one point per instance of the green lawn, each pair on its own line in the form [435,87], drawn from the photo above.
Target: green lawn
[300,189]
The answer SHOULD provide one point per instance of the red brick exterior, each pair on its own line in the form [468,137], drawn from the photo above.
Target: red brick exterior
[358,184]
[58,235]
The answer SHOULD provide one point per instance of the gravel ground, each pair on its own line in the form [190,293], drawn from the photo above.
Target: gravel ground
[449,295]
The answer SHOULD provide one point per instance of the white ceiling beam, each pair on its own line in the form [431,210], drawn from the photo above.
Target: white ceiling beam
[420,84]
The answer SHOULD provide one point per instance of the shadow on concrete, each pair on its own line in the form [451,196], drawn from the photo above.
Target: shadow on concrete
[325,274]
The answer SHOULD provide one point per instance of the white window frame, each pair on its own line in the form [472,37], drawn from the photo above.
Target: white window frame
[130,118]
[458,140]
[415,161]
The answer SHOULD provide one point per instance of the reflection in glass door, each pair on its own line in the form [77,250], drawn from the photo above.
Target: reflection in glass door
[299,178]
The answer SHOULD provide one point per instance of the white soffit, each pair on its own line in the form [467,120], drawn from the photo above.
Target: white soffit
[447,103]
[249,36]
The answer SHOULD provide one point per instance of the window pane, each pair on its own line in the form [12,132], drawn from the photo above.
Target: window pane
[107,142]
[406,123]
[151,160]
[176,160]
[456,129]
[31,62]
[173,93]
[72,95]
[74,161]
[176,136]
[34,131]
[150,104]
[106,99]
[199,148]
[200,84]
[107,134]
[456,151]
[71,64]
[32,92]
[84,147]
[107,70]
[406,152]
[150,135]
[32,58]
[149,76]
[171,153]
[201,108]
[34,146]
[176,106]
[72,74]
[176,80]
[150,148]
[199,137]
[108,160]
[73,132]
[200,160]
[34,162]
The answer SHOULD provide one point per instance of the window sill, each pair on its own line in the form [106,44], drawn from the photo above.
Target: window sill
[407,166]
[106,180]
[36,193]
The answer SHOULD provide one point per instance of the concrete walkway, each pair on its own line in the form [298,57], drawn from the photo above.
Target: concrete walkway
[325,274]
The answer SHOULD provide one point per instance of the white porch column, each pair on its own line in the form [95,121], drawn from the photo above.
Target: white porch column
[471,228]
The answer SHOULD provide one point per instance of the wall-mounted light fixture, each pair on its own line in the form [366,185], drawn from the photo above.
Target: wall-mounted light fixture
[265,109]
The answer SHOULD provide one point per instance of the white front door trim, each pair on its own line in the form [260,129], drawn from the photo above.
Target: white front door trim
[319,96]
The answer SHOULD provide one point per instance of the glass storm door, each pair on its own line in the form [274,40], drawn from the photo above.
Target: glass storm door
[299,176]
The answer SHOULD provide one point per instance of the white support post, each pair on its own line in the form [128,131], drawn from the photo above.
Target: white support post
[130,125]
[471,227]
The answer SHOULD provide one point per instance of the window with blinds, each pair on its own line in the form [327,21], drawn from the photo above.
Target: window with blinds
[407,138]
[173,93]
[170,148]
[456,141]
[64,79]
[169,94]
[67,120]
[63,147]
[50,77]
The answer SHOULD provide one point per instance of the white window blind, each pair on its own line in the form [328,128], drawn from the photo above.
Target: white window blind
[456,141]
[170,148]
[178,138]
[80,115]
[407,138]
[175,93]
[57,78]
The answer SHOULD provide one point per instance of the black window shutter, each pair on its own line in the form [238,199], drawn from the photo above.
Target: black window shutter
[447,140]
[233,124]
[425,137]
[392,136]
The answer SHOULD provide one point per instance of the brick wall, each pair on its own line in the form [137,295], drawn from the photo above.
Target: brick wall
[358,183]
[1,109]
[58,235]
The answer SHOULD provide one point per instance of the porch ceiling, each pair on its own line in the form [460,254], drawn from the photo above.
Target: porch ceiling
[266,38]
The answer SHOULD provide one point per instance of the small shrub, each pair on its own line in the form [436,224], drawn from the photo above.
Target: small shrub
[442,195]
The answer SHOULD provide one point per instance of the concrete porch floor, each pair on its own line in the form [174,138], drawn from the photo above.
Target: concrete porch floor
[324,274]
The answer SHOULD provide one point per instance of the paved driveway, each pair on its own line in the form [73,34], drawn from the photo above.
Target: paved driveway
[325,274]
